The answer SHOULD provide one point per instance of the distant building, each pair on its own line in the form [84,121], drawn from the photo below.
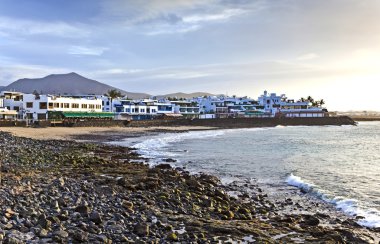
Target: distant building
[36,107]
[5,113]
[279,105]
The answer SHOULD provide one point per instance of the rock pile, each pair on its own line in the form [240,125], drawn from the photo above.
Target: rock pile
[62,191]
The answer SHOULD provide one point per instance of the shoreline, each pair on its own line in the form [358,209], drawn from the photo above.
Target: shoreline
[94,133]
[207,211]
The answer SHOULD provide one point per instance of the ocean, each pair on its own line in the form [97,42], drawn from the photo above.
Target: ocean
[339,165]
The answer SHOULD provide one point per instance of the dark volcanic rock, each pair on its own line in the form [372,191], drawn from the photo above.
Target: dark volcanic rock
[68,192]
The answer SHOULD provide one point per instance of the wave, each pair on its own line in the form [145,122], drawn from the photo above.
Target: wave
[352,207]
[151,147]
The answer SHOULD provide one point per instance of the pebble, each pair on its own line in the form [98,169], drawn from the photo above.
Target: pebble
[63,191]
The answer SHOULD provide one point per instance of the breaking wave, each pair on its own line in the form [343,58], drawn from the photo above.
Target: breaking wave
[352,207]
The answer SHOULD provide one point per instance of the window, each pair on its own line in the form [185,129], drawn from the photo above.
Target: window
[75,105]
[43,105]
[17,108]
[98,107]
[91,106]
[84,105]
[66,105]
[41,116]
[56,105]
[29,105]
[51,105]
[142,110]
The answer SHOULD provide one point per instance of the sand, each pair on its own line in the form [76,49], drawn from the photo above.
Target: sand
[70,133]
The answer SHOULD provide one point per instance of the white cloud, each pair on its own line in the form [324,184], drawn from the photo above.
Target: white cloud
[12,72]
[90,51]
[308,56]
[170,29]
[171,17]
[28,27]
[223,15]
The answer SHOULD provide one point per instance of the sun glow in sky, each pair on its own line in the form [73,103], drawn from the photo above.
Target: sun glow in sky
[328,49]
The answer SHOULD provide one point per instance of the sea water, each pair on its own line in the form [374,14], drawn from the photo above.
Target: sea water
[336,164]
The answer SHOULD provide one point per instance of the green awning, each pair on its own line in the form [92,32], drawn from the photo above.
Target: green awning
[254,112]
[87,115]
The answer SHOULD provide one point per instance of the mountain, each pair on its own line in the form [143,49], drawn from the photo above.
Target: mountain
[70,83]
[186,95]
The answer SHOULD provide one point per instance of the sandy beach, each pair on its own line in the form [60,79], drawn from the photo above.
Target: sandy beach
[73,133]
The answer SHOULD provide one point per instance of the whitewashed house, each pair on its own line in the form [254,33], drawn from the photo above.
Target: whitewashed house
[141,109]
[36,107]
[188,109]
[224,106]
[12,101]
[5,113]
[279,105]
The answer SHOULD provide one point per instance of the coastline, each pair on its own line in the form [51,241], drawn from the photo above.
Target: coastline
[94,133]
[154,203]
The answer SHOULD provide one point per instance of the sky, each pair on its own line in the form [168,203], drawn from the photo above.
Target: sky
[329,49]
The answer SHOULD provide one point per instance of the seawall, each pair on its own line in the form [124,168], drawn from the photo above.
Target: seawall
[245,122]
[227,123]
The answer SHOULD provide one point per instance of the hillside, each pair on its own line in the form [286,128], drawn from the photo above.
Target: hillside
[70,83]
[185,95]
[75,84]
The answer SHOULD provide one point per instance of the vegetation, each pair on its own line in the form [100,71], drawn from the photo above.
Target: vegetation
[114,93]
[314,103]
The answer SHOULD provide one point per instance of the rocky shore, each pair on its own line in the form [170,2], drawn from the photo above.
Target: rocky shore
[55,191]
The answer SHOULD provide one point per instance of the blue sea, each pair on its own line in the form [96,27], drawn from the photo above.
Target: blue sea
[339,165]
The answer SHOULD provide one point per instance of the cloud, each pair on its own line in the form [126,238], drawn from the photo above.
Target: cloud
[223,15]
[170,29]
[170,17]
[90,51]
[22,27]
[308,56]
[12,72]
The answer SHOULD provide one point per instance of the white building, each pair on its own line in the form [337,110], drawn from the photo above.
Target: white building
[141,109]
[189,109]
[279,105]
[5,113]
[36,107]
[224,106]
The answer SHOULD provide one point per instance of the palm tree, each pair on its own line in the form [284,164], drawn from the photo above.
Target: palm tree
[322,102]
[112,94]
[310,99]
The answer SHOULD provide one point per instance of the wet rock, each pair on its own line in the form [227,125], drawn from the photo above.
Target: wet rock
[127,204]
[172,237]
[170,160]
[142,229]
[311,220]
[44,222]
[213,180]
[83,209]
[163,166]
[61,234]
[42,233]
[80,236]
[96,218]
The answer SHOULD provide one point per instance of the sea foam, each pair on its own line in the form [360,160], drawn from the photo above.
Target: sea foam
[352,207]
[152,147]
